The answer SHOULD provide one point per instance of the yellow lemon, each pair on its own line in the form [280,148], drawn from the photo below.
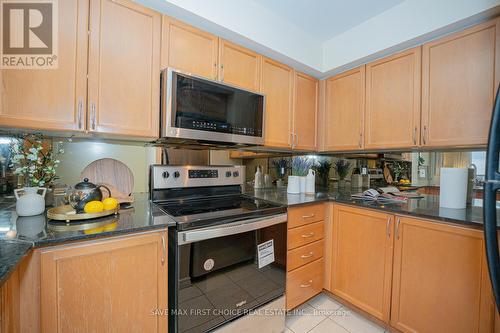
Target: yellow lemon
[110,227]
[110,203]
[93,207]
[93,231]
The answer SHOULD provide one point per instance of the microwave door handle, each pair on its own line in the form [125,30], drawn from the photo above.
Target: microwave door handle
[491,186]
[187,237]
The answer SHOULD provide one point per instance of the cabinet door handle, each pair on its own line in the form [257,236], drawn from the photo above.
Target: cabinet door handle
[308,216]
[306,256]
[163,249]
[424,135]
[291,140]
[308,235]
[415,135]
[79,113]
[92,116]
[296,140]
[222,72]
[398,221]
[360,140]
[388,227]
[306,285]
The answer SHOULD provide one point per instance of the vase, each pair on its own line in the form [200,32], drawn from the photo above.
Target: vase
[342,183]
[293,185]
[302,182]
[310,182]
[323,181]
[29,202]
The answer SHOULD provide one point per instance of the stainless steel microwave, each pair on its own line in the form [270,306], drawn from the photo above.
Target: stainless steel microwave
[195,109]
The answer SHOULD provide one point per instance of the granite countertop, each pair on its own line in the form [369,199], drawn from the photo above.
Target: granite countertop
[18,235]
[425,207]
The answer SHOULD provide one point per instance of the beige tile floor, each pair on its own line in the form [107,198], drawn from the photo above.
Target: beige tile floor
[322,314]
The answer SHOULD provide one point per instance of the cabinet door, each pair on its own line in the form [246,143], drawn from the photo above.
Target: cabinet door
[459,76]
[392,118]
[440,279]
[124,68]
[105,286]
[305,108]
[189,49]
[345,107]
[239,66]
[277,85]
[51,99]
[362,259]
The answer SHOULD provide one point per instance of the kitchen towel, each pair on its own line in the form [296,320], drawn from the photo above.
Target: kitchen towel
[453,188]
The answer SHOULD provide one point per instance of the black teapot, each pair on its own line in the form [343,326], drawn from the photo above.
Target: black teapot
[85,192]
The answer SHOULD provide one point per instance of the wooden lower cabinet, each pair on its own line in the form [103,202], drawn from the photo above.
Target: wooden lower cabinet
[304,283]
[305,263]
[440,279]
[112,285]
[362,259]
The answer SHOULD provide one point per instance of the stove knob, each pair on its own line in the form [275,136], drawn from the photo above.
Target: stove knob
[236,174]
[177,174]
[228,173]
[165,174]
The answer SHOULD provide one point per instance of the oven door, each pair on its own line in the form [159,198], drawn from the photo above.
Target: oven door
[204,110]
[220,273]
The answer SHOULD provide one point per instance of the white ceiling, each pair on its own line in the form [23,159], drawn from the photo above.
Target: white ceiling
[325,19]
[324,37]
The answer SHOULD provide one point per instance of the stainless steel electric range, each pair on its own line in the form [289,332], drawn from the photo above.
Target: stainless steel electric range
[227,251]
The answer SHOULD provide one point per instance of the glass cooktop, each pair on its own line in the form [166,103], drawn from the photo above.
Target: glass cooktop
[202,212]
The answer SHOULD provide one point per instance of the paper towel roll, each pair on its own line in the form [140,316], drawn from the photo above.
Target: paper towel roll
[453,188]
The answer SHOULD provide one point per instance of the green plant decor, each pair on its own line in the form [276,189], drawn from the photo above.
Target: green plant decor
[281,166]
[33,160]
[301,166]
[322,169]
[342,167]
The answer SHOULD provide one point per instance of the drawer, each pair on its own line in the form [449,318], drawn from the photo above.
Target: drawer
[298,216]
[304,235]
[304,283]
[304,255]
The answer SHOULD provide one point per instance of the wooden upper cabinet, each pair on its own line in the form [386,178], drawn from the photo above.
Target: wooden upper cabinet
[51,99]
[344,111]
[362,259]
[440,279]
[305,106]
[392,115]
[239,66]
[124,68]
[460,74]
[105,286]
[188,49]
[277,85]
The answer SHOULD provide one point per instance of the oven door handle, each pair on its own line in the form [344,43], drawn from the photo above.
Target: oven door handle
[239,227]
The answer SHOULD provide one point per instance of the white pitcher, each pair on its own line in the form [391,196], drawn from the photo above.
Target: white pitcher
[30,203]
[310,182]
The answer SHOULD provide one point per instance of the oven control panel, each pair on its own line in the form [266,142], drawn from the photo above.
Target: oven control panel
[199,174]
[170,176]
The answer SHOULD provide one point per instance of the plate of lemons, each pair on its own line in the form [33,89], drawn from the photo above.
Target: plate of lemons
[93,209]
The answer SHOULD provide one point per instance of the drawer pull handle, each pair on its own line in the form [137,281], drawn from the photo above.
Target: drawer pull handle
[305,256]
[308,216]
[307,285]
[311,234]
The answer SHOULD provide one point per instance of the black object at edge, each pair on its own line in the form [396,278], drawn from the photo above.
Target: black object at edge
[491,186]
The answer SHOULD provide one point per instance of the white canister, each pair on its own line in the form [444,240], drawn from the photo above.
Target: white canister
[453,188]
[302,182]
[293,185]
[30,203]
[310,181]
